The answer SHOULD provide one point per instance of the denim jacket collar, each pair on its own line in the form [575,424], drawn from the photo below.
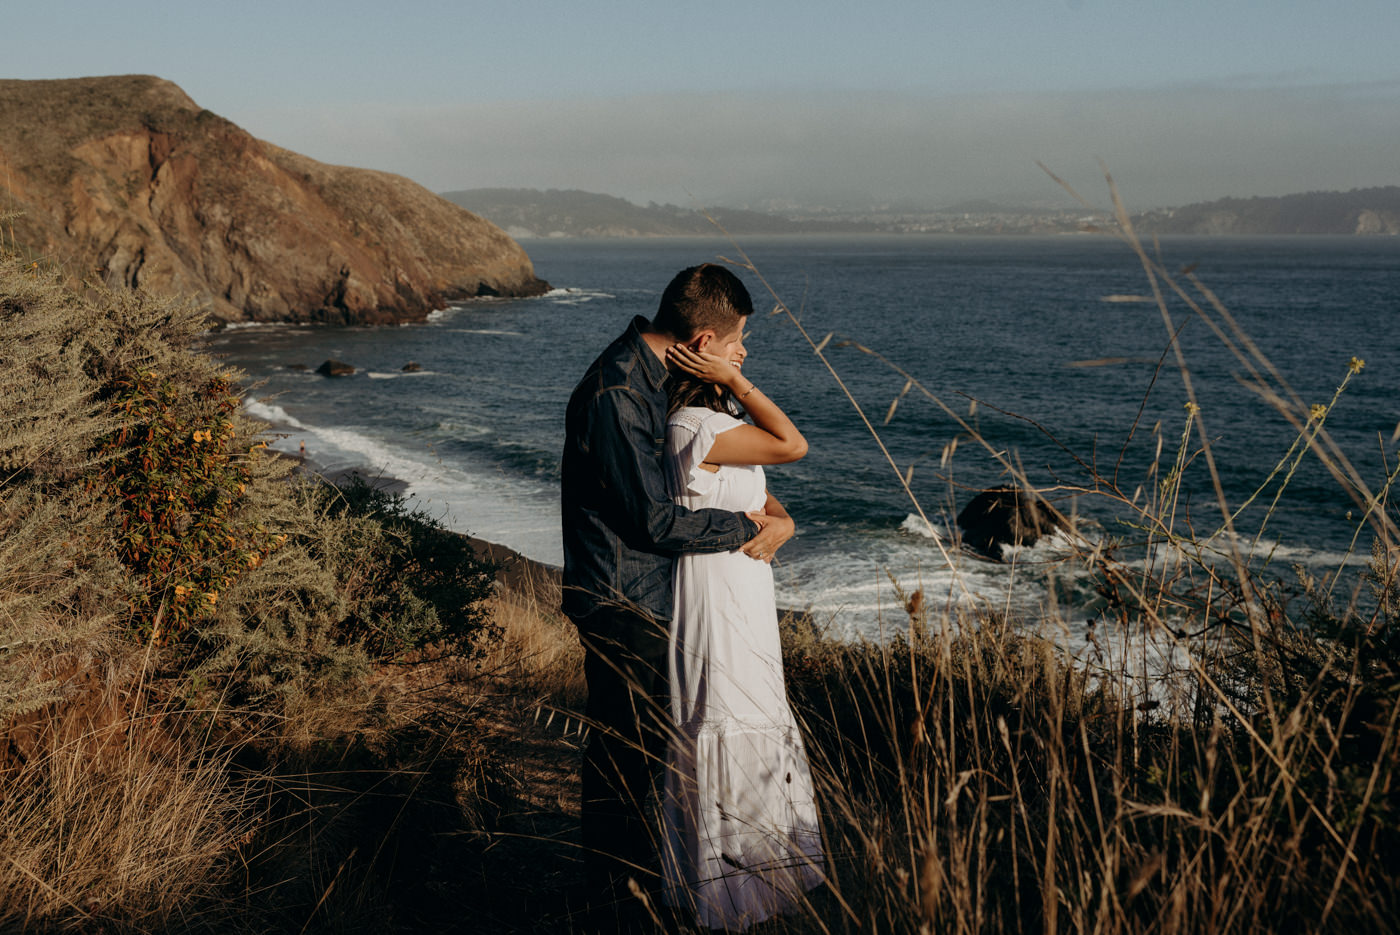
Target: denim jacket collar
[652,367]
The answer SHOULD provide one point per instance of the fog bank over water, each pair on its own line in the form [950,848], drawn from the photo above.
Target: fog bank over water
[1166,146]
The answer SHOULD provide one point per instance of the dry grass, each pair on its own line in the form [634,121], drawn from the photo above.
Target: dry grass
[114,817]
[538,653]
[975,782]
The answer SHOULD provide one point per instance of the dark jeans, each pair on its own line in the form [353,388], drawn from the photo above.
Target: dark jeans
[628,710]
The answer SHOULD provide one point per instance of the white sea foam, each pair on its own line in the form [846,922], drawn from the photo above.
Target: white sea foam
[268,325]
[505,334]
[861,596]
[463,429]
[394,375]
[1286,555]
[1270,552]
[857,591]
[914,523]
[513,511]
[1054,546]
[575,296]
[272,413]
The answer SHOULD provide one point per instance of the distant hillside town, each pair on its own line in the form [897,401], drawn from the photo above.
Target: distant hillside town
[526,212]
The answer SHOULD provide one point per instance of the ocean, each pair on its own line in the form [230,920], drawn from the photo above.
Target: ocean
[1029,339]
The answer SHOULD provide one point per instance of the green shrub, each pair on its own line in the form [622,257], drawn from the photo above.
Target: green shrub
[425,584]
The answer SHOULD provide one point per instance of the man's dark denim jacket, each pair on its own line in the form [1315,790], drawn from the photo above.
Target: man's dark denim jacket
[621,530]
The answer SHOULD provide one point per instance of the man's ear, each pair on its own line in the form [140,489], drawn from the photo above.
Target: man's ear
[701,339]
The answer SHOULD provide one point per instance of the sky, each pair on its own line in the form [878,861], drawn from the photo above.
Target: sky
[923,103]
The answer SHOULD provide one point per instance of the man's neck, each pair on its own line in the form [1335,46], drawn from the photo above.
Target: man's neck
[657,342]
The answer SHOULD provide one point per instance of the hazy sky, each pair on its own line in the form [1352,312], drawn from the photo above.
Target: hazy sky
[930,101]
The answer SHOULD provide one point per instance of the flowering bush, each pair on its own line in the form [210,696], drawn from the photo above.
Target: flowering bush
[179,477]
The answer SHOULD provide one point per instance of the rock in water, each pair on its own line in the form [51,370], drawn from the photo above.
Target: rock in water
[335,368]
[128,178]
[1005,516]
[412,367]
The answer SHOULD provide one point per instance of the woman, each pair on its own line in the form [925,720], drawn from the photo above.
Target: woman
[740,840]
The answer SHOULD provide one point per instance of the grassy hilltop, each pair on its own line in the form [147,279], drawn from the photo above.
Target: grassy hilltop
[234,699]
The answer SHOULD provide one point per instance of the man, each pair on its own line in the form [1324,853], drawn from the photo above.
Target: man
[621,533]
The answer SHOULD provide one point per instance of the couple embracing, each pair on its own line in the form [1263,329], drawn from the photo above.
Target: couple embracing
[669,532]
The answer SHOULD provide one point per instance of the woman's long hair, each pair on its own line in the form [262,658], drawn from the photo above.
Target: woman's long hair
[684,390]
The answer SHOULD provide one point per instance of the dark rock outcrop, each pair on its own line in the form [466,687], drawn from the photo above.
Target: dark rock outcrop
[335,368]
[1005,516]
[127,179]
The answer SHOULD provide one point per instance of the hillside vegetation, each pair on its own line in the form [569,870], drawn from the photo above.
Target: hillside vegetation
[529,212]
[1359,211]
[185,625]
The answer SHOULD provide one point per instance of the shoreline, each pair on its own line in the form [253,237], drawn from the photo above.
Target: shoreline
[515,571]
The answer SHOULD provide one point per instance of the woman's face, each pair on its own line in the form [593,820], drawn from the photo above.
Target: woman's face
[729,347]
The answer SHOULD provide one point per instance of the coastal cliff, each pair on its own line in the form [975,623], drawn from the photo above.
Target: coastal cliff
[128,181]
[1359,212]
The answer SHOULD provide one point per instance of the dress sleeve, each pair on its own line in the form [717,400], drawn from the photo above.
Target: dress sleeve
[689,437]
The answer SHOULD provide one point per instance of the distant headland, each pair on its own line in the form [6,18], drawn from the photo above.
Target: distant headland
[128,181]
[527,212]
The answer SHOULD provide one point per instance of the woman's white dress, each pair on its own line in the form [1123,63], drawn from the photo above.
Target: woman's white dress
[740,839]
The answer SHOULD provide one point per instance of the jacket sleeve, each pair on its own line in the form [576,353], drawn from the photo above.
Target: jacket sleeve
[628,458]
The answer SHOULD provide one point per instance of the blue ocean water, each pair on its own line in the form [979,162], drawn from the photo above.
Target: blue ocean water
[1006,322]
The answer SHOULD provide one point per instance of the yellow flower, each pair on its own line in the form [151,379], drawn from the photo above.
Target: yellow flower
[1355,364]
[1317,413]
[1192,409]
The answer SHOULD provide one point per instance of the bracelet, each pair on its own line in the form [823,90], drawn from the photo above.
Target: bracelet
[747,391]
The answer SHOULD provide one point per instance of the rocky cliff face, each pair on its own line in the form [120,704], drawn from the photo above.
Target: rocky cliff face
[128,181]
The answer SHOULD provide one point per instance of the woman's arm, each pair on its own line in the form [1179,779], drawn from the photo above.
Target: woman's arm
[632,498]
[772,439]
[775,529]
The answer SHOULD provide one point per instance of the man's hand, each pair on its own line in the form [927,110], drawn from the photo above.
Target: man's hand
[775,528]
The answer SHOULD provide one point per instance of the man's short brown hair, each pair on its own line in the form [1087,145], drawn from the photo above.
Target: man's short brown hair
[700,298]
